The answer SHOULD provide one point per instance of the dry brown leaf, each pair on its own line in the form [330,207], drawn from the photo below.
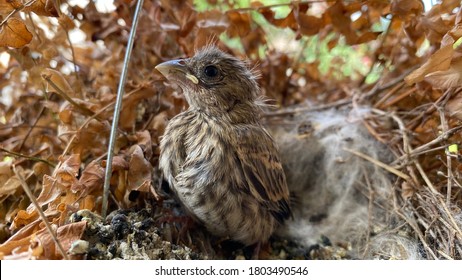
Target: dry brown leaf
[435,28]
[289,21]
[44,247]
[68,169]
[43,8]
[24,218]
[342,22]
[6,6]
[140,171]
[66,115]
[9,183]
[367,37]
[448,78]
[239,24]
[14,34]
[118,163]
[130,111]
[92,138]
[159,122]
[212,20]
[5,173]
[16,249]
[407,8]
[69,233]
[309,25]
[92,178]
[58,80]
[454,107]
[143,139]
[40,170]
[66,22]
[51,190]
[440,60]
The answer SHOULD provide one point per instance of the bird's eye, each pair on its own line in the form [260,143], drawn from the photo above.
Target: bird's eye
[211,71]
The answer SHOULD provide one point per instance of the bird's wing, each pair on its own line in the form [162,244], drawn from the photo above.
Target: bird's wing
[262,169]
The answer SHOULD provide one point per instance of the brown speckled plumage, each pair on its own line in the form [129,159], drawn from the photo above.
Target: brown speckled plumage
[219,160]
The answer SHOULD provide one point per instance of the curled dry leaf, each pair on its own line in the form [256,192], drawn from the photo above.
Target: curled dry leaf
[92,178]
[45,247]
[439,61]
[68,169]
[9,183]
[118,163]
[145,142]
[51,190]
[14,34]
[449,78]
[24,218]
[39,244]
[454,107]
[139,172]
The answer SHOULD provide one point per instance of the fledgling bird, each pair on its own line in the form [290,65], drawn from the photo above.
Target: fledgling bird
[216,156]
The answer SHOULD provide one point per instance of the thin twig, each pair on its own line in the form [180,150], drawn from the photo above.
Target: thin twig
[379,163]
[425,178]
[39,210]
[444,255]
[444,128]
[15,11]
[423,148]
[308,109]
[39,115]
[95,116]
[82,109]
[118,105]
[27,157]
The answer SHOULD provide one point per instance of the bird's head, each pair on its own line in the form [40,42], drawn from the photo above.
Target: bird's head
[213,81]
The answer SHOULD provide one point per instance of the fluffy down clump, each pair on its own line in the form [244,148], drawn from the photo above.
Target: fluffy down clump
[336,193]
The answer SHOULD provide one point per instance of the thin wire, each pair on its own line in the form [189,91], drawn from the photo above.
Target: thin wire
[118,105]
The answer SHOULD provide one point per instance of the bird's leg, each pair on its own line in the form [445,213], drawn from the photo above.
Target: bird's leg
[261,251]
[182,223]
[256,251]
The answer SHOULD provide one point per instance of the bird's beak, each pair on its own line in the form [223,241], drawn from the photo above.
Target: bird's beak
[177,65]
[175,68]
